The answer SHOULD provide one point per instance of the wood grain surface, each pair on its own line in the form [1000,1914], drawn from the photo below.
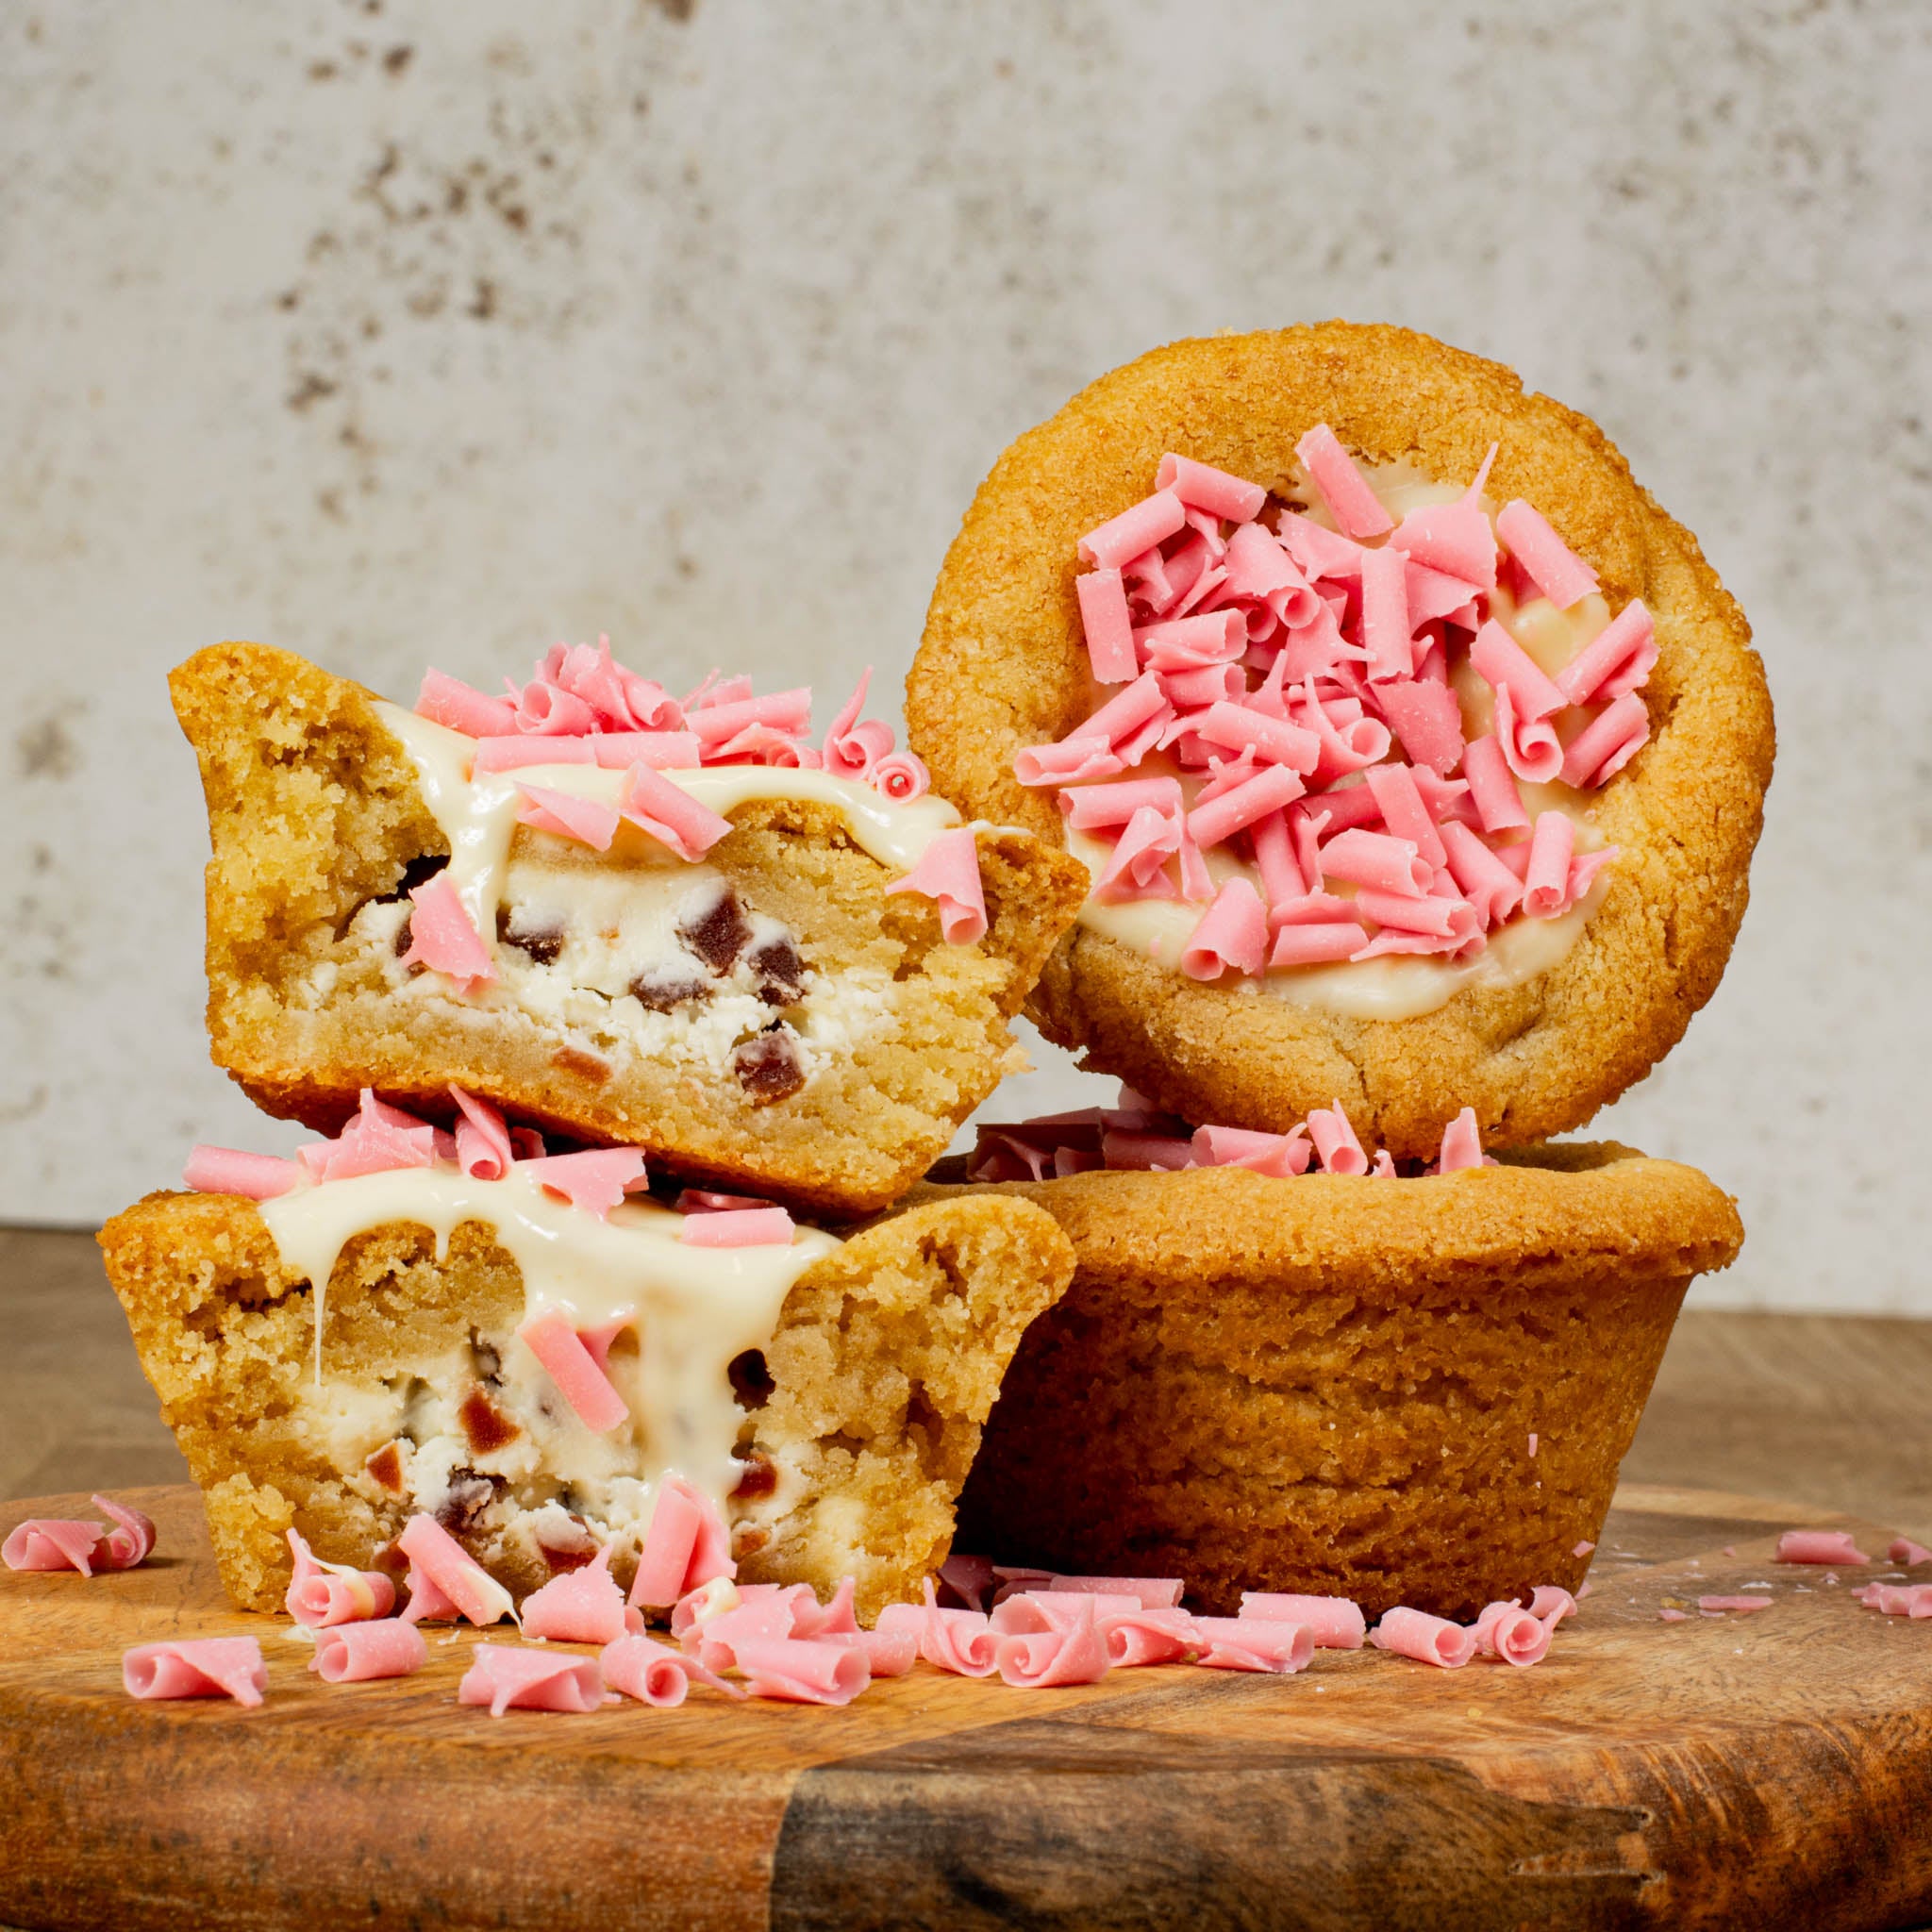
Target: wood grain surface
[1775,1770]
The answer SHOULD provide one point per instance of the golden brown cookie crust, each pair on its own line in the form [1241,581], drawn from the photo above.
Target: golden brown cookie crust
[1002,665]
[314,810]
[1401,1391]
[887,1359]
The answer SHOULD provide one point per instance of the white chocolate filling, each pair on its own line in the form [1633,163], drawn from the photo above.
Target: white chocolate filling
[692,1311]
[478,815]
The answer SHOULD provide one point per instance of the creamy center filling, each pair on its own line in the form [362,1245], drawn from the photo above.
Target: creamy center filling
[478,815]
[676,1318]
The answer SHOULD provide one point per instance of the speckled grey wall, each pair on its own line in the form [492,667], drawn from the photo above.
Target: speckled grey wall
[395,332]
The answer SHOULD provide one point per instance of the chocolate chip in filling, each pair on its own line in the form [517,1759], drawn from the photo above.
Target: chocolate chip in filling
[484,1427]
[470,1494]
[662,988]
[718,933]
[779,971]
[542,939]
[768,1066]
[386,1467]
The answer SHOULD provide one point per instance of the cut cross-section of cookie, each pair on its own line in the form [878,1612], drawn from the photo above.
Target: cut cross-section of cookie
[355,1351]
[1416,757]
[720,962]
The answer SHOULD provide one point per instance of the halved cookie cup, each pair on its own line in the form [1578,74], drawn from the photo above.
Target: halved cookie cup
[861,1410]
[773,1019]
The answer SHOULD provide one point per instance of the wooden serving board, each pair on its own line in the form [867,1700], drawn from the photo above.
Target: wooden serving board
[1758,1770]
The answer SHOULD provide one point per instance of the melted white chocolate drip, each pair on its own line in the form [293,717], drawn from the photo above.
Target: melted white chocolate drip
[695,1310]
[1394,986]
[478,815]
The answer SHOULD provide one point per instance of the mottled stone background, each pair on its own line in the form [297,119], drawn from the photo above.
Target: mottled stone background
[398,332]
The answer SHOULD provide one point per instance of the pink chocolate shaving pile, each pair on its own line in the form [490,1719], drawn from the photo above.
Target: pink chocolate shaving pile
[1285,695]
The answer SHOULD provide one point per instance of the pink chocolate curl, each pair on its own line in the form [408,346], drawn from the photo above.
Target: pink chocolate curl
[738,1227]
[1254,1643]
[1335,1622]
[1268,790]
[1200,486]
[457,1577]
[1108,627]
[1406,812]
[1232,933]
[588,820]
[1074,1651]
[1531,748]
[484,1151]
[1454,538]
[1427,1640]
[380,1139]
[321,1595]
[1606,743]
[1542,556]
[594,1180]
[853,744]
[1462,1144]
[1356,508]
[1375,859]
[1122,538]
[662,751]
[1427,720]
[948,874]
[201,1667]
[801,1669]
[652,1673]
[1384,614]
[521,750]
[1323,944]
[582,1606]
[553,1339]
[1336,1145]
[1913,1600]
[442,937]
[131,1540]
[1139,1637]
[1820,1546]
[1500,660]
[1615,663]
[510,1677]
[685,1546]
[1150,1592]
[1902,1549]
[1546,884]
[891,1647]
[229,1171]
[670,815]
[450,702]
[48,1543]
[961,1641]
[357,1653]
[1510,1634]
[1493,787]
[1278,1155]
[1488,885]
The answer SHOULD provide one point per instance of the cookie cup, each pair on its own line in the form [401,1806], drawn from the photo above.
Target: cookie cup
[1403,1391]
[1003,666]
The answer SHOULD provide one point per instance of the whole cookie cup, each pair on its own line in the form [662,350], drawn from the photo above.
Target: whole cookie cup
[1399,1391]
[1538,1027]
